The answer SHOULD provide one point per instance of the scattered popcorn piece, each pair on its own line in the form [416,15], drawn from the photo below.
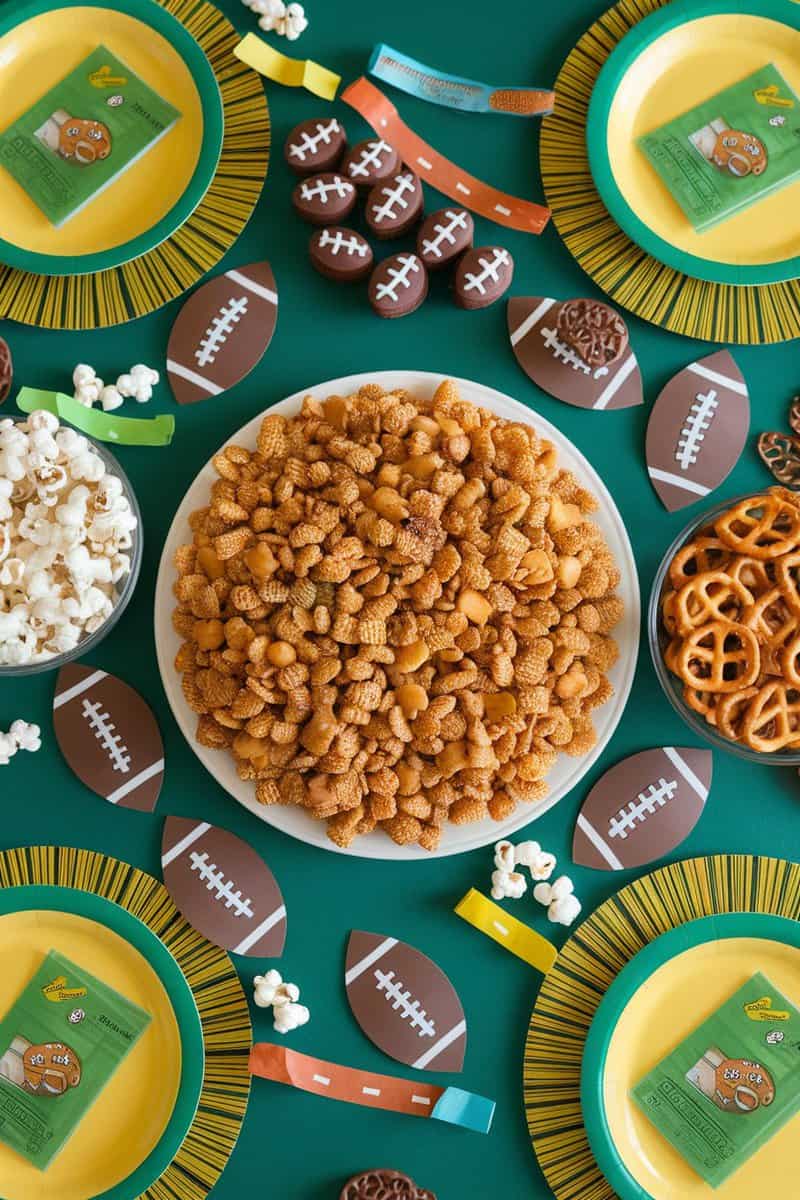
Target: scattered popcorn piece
[294,22]
[270,13]
[539,862]
[270,991]
[563,905]
[88,385]
[138,383]
[289,1017]
[508,885]
[8,748]
[111,398]
[504,856]
[26,736]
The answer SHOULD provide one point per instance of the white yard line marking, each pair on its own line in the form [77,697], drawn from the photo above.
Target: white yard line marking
[170,855]
[600,845]
[680,764]
[687,485]
[137,781]
[527,325]
[611,389]
[733,385]
[174,368]
[76,689]
[436,1049]
[366,962]
[260,930]
[256,288]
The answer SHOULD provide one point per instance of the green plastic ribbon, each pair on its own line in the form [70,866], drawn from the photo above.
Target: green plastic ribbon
[103,426]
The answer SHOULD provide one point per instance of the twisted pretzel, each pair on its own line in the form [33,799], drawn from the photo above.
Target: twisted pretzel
[703,554]
[594,331]
[772,718]
[762,526]
[719,657]
[710,596]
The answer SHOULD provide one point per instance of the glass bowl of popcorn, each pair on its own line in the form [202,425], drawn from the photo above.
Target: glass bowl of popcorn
[70,544]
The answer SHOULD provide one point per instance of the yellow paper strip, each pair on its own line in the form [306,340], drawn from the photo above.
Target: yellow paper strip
[291,72]
[507,931]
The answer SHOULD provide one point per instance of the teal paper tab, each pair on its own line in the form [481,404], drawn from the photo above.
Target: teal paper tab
[458,1107]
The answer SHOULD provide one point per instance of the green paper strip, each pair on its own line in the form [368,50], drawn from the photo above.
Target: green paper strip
[103,426]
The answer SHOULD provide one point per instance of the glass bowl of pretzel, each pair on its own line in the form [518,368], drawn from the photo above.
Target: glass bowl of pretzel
[724,626]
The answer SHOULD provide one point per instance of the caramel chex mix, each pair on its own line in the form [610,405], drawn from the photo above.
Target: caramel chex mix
[396,612]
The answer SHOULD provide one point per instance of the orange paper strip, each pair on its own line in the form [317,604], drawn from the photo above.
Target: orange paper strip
[438,171]
[410,1096]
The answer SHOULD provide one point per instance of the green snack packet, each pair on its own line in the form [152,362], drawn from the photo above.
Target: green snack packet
[60,1043]
[731,1084]
[82,134]
[736,147]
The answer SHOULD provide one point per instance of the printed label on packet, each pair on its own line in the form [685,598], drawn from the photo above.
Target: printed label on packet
[730,1085]
[54,1061]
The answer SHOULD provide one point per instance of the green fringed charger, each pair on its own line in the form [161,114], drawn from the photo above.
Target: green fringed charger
[588,964]
[215,988]
[139,287]
[631,277]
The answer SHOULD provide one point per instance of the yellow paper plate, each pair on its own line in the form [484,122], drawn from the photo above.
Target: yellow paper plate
[674,58]
[673,985]
[40,43]
[99,299]
[121,924]
[633,278]
[669,899]
[132,1112]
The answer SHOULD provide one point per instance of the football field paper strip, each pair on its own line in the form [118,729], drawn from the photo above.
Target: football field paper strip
[438,171]
[414,1097]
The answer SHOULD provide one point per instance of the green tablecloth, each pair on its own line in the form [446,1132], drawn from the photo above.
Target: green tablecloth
[296,1146]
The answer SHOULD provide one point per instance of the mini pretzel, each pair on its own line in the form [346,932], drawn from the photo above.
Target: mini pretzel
[757,576]
[789,661]
[781,453]
[704,703]
[719,657]
[771,619]
[729,711]
[703,554]
[710,596]
[772,718]
[761,526]
[786,577]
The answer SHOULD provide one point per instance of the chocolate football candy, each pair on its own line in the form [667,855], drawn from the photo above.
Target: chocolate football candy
[370,162]
[222,331]
[557,367]
[109,736]
[443,236]
[324,199]
[642,808]
[394,206]
[697,429]
[398,286]
[223,887]
[340,254]
[483,275]
[404,1003]
[6,370]
[315,146]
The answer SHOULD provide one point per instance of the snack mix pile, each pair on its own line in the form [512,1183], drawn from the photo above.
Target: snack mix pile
[731,612]
[396,612]
[66,533]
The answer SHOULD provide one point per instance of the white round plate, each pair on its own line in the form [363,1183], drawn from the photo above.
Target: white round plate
[567,772]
